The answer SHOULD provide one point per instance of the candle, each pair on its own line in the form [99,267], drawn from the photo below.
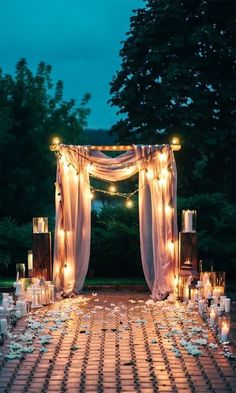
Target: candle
[190,305]
[224,331]
[3,326]
[18,314]
[208,290]
[201,306]
[23,308]
[227,304]
[222,305]
[5,303]
[218,291]
[17,275]
[194,295]
[18,287]
[40,225]
[219,311]
[212,317]
[30,262]
[188,221]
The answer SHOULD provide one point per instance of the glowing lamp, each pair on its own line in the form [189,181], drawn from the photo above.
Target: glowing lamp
[40,225]
[56,140]
[112,188]
[129,203]
[175,140]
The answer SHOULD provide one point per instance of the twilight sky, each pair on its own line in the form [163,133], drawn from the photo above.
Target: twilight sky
[80,39]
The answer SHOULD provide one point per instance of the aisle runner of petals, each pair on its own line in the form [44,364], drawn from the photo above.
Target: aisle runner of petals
[173,321]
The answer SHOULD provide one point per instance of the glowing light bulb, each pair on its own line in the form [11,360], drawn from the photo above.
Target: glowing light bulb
[175,140]
[112,188]
[150,175]
[129,203]
[56,140]
[162,157]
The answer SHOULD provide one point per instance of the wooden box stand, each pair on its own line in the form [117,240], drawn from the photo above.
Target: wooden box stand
[42,258]
[188,253]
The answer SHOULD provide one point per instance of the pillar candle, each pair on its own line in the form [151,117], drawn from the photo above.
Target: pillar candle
[5,303]
[227,304]
[18,287]
[18,314]
[212,317]
[23,308]
[3,326]
[201,306]
[224,332]
[188,221]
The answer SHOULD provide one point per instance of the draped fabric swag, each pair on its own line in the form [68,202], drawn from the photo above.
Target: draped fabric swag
[157,211]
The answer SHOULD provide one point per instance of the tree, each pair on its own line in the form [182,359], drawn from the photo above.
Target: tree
[178,76]
[32,111]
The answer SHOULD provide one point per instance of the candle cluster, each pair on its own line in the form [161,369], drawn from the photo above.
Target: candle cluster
[37,294]
[207,295]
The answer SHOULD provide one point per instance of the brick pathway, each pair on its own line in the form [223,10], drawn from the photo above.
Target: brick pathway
[115,342]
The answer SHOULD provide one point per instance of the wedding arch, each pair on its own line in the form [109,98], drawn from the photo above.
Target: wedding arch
[156,167]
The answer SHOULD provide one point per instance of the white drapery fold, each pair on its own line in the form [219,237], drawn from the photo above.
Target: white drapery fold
[157,211]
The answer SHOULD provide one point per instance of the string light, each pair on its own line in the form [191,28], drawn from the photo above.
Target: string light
[129,203]
[112,188]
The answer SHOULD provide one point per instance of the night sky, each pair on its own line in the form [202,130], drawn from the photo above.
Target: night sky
[80,39]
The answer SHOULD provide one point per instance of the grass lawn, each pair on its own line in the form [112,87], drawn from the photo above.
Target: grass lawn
[8,282]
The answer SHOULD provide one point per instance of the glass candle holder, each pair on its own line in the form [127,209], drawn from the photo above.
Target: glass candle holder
[40,224]
[219,280]
[20,270]
[189,218]
[30,263]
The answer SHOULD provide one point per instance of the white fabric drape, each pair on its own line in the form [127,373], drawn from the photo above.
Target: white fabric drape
[157,211]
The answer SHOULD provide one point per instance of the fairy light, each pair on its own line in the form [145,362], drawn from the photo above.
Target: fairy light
[175,140]
[112,189]
[129,203]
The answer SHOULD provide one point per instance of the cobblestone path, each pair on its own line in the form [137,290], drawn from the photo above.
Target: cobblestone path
[115,342]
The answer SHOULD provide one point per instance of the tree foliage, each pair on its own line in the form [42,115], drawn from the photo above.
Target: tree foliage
[32,111]
[178,76]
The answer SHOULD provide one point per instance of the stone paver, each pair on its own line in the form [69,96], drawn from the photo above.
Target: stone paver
[116,342]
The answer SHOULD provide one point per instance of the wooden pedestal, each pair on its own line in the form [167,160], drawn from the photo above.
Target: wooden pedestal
[188,253]
[42,258]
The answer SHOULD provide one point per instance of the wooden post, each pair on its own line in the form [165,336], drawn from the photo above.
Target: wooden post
[42,265]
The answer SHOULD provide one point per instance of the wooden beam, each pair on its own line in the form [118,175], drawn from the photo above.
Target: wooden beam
[55,147]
